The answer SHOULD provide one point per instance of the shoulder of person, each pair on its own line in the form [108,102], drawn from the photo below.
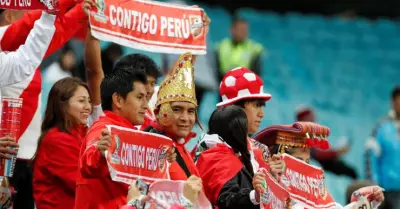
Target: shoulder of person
[55,136]
[222,42]
[383,122]
[55,132]
[97,126]
[257,46]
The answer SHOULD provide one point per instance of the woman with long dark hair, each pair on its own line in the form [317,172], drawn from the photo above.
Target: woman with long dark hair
[56,162]
[229,178]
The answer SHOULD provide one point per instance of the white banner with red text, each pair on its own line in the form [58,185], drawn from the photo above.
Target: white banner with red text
[305,184]
[135,154]
[275,196]
[165,193]
[150,26]
[48,5]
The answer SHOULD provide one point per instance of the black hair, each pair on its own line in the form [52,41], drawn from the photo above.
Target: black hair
[65,50]
[236,20]
[259,102]
[396,92]
[144,63]
[1,11]
[120,80]
[113,48]
[276,149]
[230,123]
[109,56]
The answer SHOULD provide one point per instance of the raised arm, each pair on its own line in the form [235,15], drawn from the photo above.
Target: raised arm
[66,25]
[20,64]
[94,70]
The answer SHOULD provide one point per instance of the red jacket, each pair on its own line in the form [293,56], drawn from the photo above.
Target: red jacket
[175,171]
[56,169]
[95,189]
[217,166]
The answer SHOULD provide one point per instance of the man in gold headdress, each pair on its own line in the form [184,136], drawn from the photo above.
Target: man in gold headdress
[176,114]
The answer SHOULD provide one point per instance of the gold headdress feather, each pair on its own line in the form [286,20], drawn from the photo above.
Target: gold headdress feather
[178,86]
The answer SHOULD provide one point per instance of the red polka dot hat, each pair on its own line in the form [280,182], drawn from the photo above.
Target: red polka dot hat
[241,83]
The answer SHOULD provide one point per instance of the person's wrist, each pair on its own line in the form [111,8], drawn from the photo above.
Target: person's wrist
[136,202]
[253,197]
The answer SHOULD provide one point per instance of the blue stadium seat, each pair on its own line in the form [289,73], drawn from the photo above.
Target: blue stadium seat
[220,22]
[207,107]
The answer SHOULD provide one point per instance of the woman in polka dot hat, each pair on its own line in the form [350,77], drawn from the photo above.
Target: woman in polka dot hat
[242,87]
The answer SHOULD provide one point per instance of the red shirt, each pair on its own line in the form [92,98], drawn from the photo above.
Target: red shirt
[95,189]
[56,169]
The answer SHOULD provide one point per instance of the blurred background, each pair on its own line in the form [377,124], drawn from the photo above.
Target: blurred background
[340,60]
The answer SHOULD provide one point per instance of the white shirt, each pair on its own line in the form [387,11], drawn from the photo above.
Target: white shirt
[153,100]
[97,111]
[19,65]
[20,78]
[54,73]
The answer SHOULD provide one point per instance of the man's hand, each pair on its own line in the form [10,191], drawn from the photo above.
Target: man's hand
[259,184]
[277,166]
[206,22]
[134,194]
[5,144]
[87,5]
[372,193]
[171,155]
[104,142]
[206,19]
[377,194]
[192,188]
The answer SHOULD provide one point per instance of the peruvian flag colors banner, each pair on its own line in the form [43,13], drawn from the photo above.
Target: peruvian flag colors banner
[260,152]
[275,196]
[48,5]
[165,193]
[305,184]
[150,25]
[136,154]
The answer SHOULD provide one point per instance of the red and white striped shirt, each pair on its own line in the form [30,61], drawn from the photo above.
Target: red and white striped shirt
[29,90]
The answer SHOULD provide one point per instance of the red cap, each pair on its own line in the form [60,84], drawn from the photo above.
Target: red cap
[241,83]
